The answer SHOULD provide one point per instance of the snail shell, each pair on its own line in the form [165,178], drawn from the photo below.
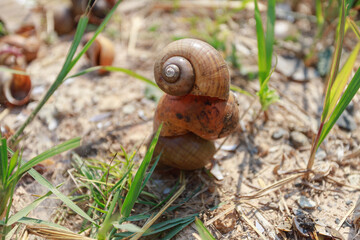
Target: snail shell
[198,106]
[29,46]
[208,117]
[101,52]
[64,21]
[14,88]
[190,66]
[187,152]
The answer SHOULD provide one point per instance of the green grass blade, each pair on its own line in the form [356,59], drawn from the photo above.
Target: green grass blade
[25,211]
[13,162]
[353,26]
[64,71]
[73,143]
[40,179]
[148,175]
[68,65]
[349,93]
[270,32]
[177,229]
[4,162]
[135,187]
[13,71]
[115,69]
[261,44]
[239,90]
[203,231]
[121,180]
[106,225]
[335,63]
[342,78]
[319,14]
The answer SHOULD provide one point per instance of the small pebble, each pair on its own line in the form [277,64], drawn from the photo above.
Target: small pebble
[306,203]
[128,109]
[320,154]
[337,221]
[278,134]
[349,202]
[298,139]
[319,208]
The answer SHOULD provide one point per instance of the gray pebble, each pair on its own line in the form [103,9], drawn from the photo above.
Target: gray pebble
[298,139]
[279,133]
[306,203]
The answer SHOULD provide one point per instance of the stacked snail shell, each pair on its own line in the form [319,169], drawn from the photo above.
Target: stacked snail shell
[197,107]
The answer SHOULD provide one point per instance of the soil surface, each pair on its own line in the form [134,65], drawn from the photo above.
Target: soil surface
[116,110]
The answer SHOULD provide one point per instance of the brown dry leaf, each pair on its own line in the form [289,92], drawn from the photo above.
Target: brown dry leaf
[227,223]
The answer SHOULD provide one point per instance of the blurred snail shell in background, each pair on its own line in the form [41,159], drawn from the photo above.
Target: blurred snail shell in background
[99,9]
[64,20]
[197,107]
[14,88]
[101,52]
[28,46]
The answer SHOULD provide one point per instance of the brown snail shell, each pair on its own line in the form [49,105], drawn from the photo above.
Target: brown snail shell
[14,88]
[64,21]
[98,12]
[183,151]
[101,52]
[198,106]
[191,66]
[29,46]
[208,117]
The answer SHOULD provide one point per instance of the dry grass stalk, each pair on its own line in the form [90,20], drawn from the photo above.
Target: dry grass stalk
[220,215]
[53,233]
[356,215]
[4,113]
[242,215]
[271,188]
[342,184]
[266,224]
[345,217]
[353,154]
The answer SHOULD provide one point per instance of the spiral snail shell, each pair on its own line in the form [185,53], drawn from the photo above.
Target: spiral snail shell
[190,66]
[197,107]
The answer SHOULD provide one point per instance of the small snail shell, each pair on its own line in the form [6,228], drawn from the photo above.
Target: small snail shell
[99,9]
[14,88]
[183,151]
[190,66]
[29,46]
[64,21]
[101,52]
[198,106]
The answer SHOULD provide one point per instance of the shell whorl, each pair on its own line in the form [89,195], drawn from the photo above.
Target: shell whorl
[191,66]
